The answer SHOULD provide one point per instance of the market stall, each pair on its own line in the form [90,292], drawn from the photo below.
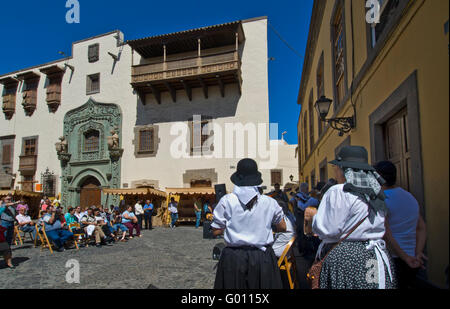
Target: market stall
[32,199]
[185,199]
[131,196]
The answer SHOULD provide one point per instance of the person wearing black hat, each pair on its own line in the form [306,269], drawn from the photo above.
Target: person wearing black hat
[350,222]
[246,217]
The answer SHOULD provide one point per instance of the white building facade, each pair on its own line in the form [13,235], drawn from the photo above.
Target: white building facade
[156,111]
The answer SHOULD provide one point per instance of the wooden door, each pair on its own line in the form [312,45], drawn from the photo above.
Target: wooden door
[397,147]
[91,194]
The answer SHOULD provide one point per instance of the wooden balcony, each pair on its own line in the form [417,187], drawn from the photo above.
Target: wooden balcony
[27,164]
[217,69]
[9,105]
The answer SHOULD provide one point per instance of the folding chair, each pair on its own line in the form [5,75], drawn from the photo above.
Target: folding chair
[43,238]
[76,236]
[286,262]
[21,238]
[17,235]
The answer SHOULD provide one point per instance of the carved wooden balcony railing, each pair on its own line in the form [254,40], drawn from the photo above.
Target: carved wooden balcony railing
[29,94]
[9,105]
[55,75]
[197,72]
[28,164]
[9,96]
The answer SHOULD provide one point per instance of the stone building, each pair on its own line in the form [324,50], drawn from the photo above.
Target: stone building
[392,78]
[115,110]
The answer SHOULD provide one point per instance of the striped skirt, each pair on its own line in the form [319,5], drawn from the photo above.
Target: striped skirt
[358,265]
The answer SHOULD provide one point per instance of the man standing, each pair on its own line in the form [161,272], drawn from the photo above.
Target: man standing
[139,212]
[405,228]
[279,194]
[148,213]
[173,212]
[198,211]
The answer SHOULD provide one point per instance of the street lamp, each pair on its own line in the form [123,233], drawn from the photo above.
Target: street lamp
[343,124]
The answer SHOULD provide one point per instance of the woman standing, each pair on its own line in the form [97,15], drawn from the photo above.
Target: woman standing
[246,217]
[5,249]
[8,217]
[351,215]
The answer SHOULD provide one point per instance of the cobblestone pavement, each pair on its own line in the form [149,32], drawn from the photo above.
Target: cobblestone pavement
[162,258]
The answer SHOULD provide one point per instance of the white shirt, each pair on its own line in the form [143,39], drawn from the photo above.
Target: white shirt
[138,209]
[79,215]
[23,219]
[282,239]
[245,227]
[339,212]
[173,208]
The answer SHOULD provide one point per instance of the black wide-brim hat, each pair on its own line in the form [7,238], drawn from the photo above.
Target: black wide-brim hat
[247,174]
[354,157]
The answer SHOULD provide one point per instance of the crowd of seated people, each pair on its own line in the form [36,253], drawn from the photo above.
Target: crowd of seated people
[104,225]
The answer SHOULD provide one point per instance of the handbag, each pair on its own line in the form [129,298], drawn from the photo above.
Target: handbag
[313,276]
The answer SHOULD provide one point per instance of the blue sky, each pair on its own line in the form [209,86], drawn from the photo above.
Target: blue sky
[34,32]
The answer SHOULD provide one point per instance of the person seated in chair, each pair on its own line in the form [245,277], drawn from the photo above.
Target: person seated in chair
[104,225]
[130,220]
[116,221]
[54,230]
[25,223]
[91,226]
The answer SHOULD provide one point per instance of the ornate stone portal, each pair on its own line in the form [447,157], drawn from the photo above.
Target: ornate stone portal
[85,150]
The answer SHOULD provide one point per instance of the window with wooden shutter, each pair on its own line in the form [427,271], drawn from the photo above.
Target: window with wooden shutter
[311,121]
[146,140]
[339,51]
[93,83]
[202,130]
[94,52]
[30,147]
[320,90]
[91,141]
[6,154]
[275,177]
[388,9]
[313,179]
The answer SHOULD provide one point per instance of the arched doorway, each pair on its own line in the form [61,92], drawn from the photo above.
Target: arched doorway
[91,193]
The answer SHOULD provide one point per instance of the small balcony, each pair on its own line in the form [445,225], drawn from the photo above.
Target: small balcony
[217,69]
[27,164]
[9,105]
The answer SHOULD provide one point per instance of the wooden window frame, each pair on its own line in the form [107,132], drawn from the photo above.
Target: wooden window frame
[87,143]
[89,84]
[26,147]
[151,142]
[272,181]
[140,153]
[205,120]
[94,53]
[320,83]
[6,159]
[338,18]
[311,121]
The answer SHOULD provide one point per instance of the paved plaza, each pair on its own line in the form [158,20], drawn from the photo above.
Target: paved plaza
[163,258]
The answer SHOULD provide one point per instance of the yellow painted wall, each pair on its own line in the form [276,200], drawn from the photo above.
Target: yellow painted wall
[418,44]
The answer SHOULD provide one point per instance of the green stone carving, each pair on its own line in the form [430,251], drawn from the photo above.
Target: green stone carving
[79,164]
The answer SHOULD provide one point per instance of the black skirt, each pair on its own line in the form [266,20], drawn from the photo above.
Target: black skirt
[248,268]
